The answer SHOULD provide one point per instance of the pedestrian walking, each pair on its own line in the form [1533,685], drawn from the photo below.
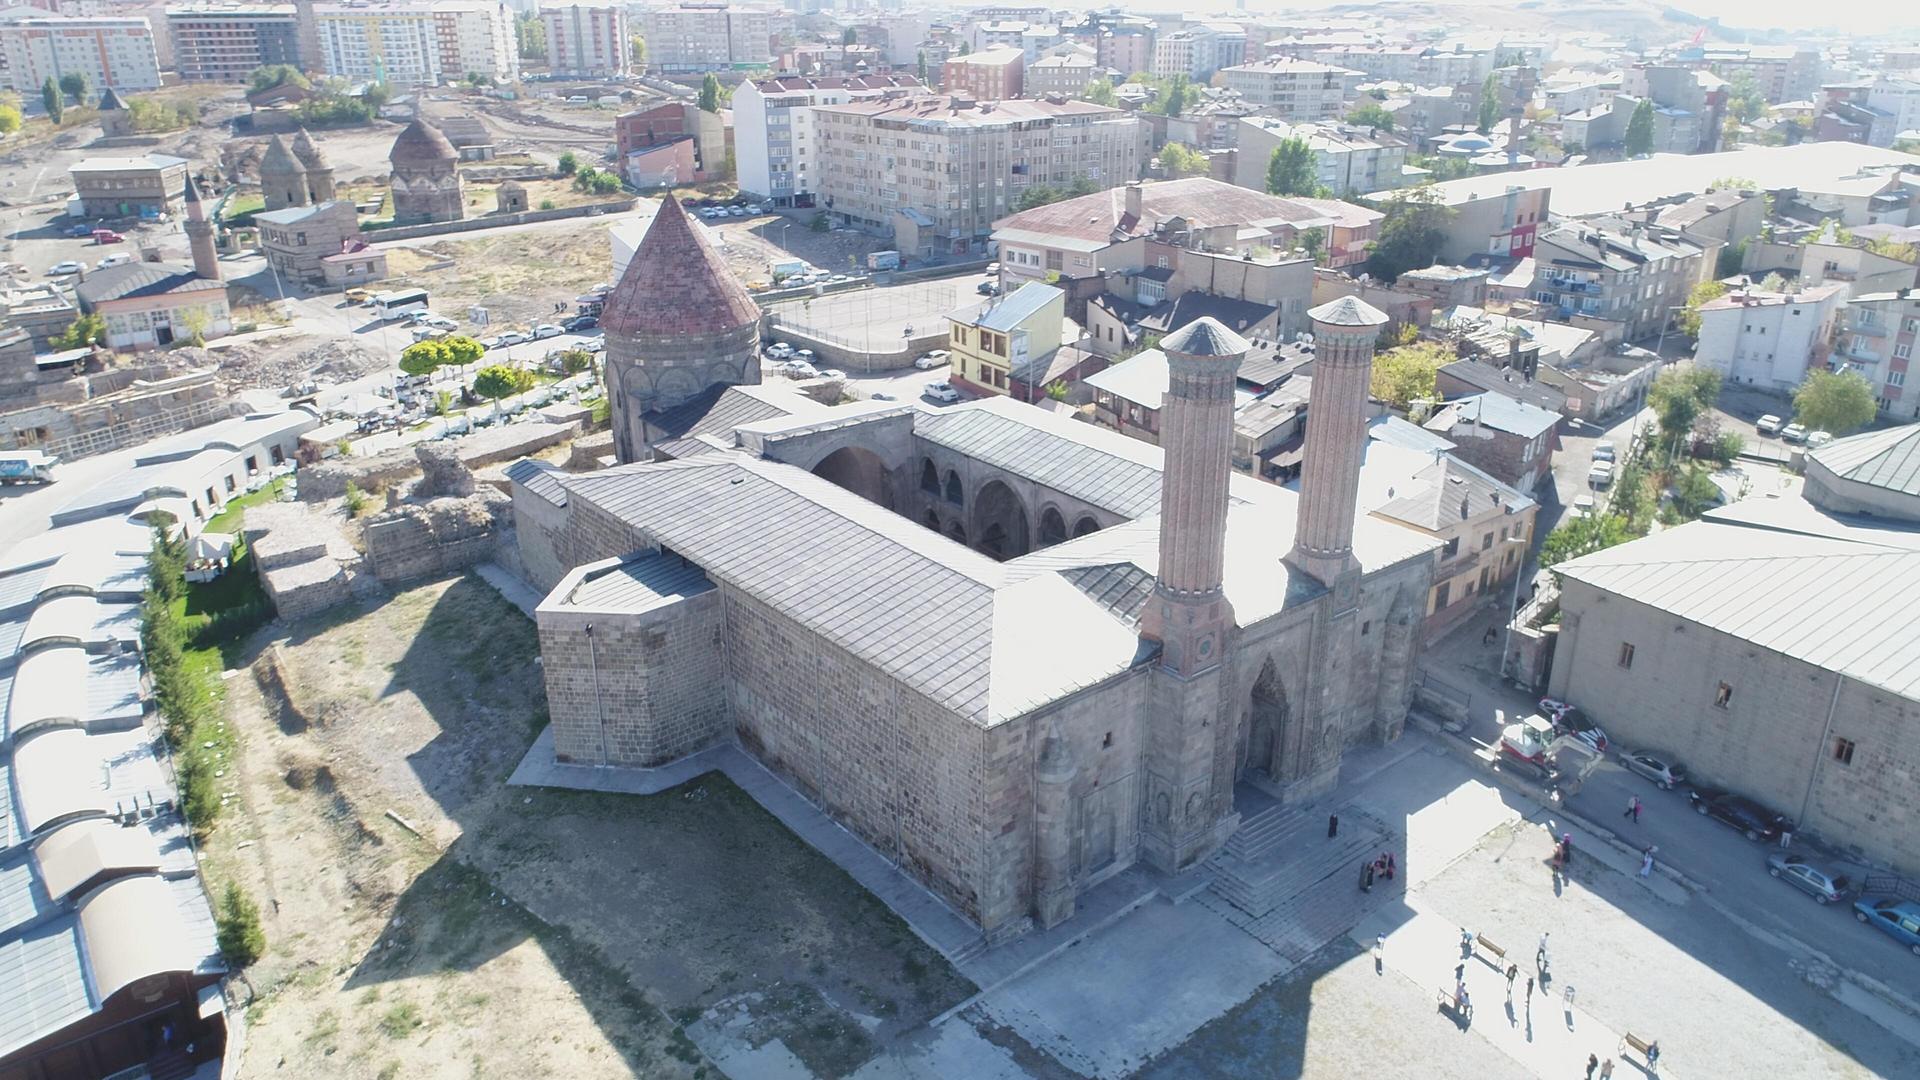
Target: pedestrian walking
[1633,808]
[1529,991]
[1566,851]
[1366,878]
[1606,1069]
[1488,637]
[1513,972]
[1646,860]
[1391,868]
[1593,1062]
[1466,1003]
[1333,826]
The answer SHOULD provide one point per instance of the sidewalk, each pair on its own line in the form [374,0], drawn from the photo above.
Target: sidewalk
[1548,1033]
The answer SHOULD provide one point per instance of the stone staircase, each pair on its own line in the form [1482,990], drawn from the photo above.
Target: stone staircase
[1283,851]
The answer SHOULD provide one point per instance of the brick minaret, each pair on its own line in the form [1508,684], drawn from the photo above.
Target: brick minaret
[206,262]
[1344,332]
[1189,751]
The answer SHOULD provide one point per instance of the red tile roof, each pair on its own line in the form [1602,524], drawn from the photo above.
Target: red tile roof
[676,283]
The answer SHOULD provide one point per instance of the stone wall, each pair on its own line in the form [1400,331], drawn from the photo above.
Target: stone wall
[537,525]
[329,479]
[439,537]
[589,449]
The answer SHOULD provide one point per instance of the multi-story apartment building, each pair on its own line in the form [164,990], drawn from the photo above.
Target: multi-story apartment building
[109,51]
[988,75]
[937,173]
[1197,50]
[708,37]
[1879,335]
[1352,159]
[219,43]
[1412,63]
[476,37]
[640,136]
[1067,71]
[1123,42]
[1500,223]
[1769,339]
[1636,275]
[588,40]
[1900,99]
[1783,72]
[775,143]
[392,43]
[1298,90]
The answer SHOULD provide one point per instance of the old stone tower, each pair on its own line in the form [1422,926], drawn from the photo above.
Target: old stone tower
[319,173]
[283,180]
[677,324]
[206,261]
[426,176]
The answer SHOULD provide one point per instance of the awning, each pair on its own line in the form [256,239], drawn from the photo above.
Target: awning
[210,546]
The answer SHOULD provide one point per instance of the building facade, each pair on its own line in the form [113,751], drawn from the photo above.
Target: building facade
[476,37]
[108,50]
[143,186]
[396,43]
[1297,90]
[588,41]
[697,37]
[1635,275]
[1770,340]
[298,240]
[1879,335]
[1352,160]
[426,176]
[775,135]
[216,43]
[991,341]
[148,305]
[994,74]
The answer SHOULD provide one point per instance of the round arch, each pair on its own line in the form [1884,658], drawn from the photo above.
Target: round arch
[929,477]
[860,471]
[1000,522]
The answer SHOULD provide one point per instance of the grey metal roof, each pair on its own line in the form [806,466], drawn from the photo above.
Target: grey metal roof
[540,478]
[11,831]
[1850,605]
[1497,411]
[142,279]
[642,584]
[1448,491]
[1121,588]
[43,983]
[1096,466]
[22,897]
[1395,431]
[1884,459]
[1348,311]
[18,588]
[1205,336]
[1007,314]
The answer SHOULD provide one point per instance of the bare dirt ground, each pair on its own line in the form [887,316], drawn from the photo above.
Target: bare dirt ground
[501,927]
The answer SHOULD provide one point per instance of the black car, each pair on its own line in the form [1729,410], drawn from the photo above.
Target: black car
[579,323]
[1756,821]
[985,288]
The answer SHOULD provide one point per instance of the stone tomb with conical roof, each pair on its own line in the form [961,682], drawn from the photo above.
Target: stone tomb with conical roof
[319,172]
[426,176]
[677,323]
[283,179]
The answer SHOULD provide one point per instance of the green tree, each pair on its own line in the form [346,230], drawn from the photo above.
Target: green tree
[1370,114]
[575,361]
[637,48]
[1680,396]
[710,94]
[1180,160]
[530,35]
[1489,104]
[1695,493]
[1293,168]
[499,381]
[422,357]
[1705,292]
[271,75]
[920,68]
[1639,140]
[50,97]
[1178,95]
[596,182]
[1412,233]
[849,36]
[1731,258]
[77,88]
[462,349]
[1082,185]
[1583,536]
[83,332]
[1893,249]
[1409,373]
[1099,92]
[237,929]
[569,164]
[1838,403]
[10,118]
[1315,243]
[1745,100]
[1038,195]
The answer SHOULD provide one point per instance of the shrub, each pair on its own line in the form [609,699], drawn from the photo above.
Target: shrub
[237,928]
[356,500]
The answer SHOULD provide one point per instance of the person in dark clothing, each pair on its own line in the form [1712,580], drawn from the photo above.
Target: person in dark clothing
[1333,825]
[1366,878]
[1593,1062]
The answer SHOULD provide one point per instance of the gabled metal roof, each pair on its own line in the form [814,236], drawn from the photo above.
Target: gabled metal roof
[1116,473]
[1884,459]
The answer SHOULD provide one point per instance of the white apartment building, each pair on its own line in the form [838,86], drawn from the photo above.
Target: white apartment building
[1297,90]
[1412,63]
[1879,335]
[393,43]
[708,37]
[1352,159]
[1197,50]
[774,142]
[588,40]
[476,36]
[936,175]
[116,52]
[1769,339]
[1900,99]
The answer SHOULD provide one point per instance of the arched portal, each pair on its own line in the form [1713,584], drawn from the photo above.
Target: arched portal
[929,477]
[1266,719]
[957,532]
[1000,522]
[1053,527]
[1085,526]
[954,494]
[860,471]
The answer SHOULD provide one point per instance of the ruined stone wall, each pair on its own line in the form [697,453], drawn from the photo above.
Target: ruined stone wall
[639,690]
[438,537]
[329,479]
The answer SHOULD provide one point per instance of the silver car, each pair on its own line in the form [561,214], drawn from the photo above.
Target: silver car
[1661,770]
[1818,882]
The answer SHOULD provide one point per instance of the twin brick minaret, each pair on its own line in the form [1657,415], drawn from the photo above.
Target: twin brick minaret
[1344,332]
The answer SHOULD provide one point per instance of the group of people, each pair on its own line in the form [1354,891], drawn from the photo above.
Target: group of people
[1382,867]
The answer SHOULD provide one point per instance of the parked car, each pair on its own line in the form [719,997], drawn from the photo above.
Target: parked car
[1603,450]
[797,369]
[833,373]
[79,230]
[880,395]
[1898,919]
[1768,424]
[356,295]
[1664,772]
[1818,439]
[118,258]
[60,269]
[581,322]
[438,322]
[515,337]
[1752,819]
[1569,720]
[943,392]
[1601,475]
[985,288]
[423,333]
[935,359]
[546,330]
[779,350]
[491,342]
[1794,433]
[1822,884]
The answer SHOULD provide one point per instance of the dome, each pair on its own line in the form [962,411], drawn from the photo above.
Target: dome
[422,144]
[279,161]
[676,283]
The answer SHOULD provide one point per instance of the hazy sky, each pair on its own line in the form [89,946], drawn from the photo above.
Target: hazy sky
[1858,16]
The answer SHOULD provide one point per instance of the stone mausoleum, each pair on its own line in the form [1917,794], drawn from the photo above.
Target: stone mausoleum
[426,176]
[1014,652]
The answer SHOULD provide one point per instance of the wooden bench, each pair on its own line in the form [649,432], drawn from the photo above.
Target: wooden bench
[1445,999]
[1646,1048]
[1481,942]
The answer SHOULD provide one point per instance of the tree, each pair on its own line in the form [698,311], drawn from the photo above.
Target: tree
[849,36]
[146,116]
[463,350]
[1706,291]
[1315,243]
[195,321]
[422,357]
[1293,168]
[596,181]
[1099,92]
[1745,100]
[1730,260]
[575,361]
[1583,536]
[710,94]
[1894,249]
[268,76]
[530,34]
[1182,160]
[1371,114]
[1038,195]
[1177,96]
[1412,233]
[75,86]
[1409,373]
[50,97]
[920,68]
[569,164]
[1489,104]
[1639,140]
[1838,403]
[83,332]
[237,929]
[637,47]
[10,119]
[1679,397]
[499,381]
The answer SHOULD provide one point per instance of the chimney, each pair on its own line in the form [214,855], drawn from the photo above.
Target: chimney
[1136,200]
[1344,332]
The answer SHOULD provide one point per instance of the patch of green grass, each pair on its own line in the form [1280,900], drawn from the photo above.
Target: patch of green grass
[402,1020]
[234,514]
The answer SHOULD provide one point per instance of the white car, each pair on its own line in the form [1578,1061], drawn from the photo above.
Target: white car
[546,330]
[936,358]
[1768,425]
[833,373]
[779,350]
[1583,505]
[438,322]
[798,369]
[943,392]
[515,337]
[1794,433]
[118,258]
[1601,475]
[68,267]
[422,333]
[1817,439]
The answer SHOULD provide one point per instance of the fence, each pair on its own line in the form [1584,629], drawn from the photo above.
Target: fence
[873,319]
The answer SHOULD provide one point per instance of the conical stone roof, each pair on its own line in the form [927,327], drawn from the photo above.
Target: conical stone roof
[422,144]
[1348,311]
[109,101]
[306,151]
[1205,336]
[677,284]
[279,161]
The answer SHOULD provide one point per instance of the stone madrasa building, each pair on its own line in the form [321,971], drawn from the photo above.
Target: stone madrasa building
[1013,652]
